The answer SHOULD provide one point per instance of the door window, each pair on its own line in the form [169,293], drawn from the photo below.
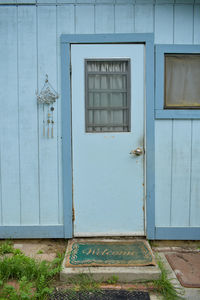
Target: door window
[107,95]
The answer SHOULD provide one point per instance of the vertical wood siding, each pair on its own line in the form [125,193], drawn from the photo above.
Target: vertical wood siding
[177,141]
[27,108]
[30,165]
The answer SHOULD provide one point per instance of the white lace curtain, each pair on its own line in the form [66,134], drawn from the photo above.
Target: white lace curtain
[182,80]
[107,96]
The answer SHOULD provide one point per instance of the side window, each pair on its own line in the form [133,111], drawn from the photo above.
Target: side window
[107,95]
[182,81]
[177,85]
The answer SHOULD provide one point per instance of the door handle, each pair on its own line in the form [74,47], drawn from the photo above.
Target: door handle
[138,151]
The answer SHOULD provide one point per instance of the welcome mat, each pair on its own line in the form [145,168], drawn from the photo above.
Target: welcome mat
[109,254]
[186,267]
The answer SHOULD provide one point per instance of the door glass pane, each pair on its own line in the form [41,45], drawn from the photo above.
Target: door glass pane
[107,95]
[182,85]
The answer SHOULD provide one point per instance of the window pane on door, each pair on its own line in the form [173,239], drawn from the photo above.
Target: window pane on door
[182,84]
[107,95]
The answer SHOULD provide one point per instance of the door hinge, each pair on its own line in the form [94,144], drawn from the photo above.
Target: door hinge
[70,69]
[73,214]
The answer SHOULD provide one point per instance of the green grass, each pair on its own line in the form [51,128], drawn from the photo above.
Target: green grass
[40,252]
[112,280]
[84,282]
[164,286]
[7,248]
[34,277]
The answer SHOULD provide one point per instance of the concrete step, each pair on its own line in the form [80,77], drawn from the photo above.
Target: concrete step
[124,274]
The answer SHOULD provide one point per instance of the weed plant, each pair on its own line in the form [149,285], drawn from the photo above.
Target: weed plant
[84,283]
[7,248]
[113,280]
[34,277]
[81,286]
[164,286]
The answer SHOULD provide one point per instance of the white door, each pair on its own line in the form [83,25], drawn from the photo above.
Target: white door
[107,124]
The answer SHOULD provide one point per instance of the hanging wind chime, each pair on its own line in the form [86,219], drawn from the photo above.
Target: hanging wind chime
[47,97]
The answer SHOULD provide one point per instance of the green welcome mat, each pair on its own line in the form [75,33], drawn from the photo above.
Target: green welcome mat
[108,254]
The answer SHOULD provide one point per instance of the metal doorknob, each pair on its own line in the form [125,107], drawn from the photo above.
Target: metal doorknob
[138,151]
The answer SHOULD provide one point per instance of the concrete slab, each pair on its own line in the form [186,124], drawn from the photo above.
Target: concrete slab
[192,294]
[186,293]
[155,297]
[124,274]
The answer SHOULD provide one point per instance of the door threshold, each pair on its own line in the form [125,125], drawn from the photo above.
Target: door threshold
[137,234]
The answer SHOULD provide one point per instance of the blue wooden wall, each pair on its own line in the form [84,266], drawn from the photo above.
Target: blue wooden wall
[30,165]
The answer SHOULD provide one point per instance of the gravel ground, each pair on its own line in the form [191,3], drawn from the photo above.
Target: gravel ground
[100,295]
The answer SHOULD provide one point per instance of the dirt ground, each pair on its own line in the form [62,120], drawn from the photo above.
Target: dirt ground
[41,249]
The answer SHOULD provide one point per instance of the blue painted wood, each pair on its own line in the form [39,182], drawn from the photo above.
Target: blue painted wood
[163,167]
[86,1]
[177,114]
[150,140]
[124,18]
[195,175]
[28,232]
[164,21]
[144,18]
[159,78]
[27,1]
[105,1]
[181,164]
[9,118]
[107,38]
[159,84]
[65,2]
[7,1]
[47,64]
[104,19]
[145,1]
[28,134]
[177,48]
[148,39]
[164,24]
[164,1]
[65,24]
[84,19]
[158,18]
[1,207]
[126,1]
[183,25]
[185,1]
[98,196]
[177,233]
[46,1]
[196,24]
[66,139]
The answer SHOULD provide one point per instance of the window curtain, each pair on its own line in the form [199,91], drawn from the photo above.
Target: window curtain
[107,96]
[182,80]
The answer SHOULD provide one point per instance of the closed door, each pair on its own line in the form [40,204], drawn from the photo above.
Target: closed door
[108,139]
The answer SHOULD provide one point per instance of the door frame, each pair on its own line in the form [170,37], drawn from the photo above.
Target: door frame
[66,41]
